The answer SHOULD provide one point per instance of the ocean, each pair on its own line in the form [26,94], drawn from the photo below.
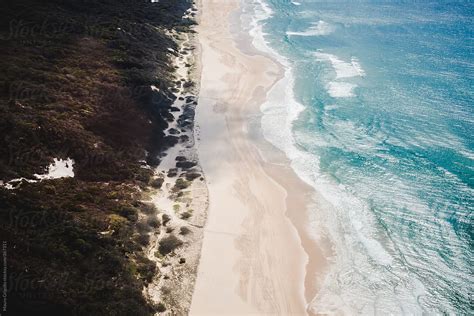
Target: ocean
[376,112]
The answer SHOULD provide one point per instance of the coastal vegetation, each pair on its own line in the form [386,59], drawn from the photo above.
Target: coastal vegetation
[93,82]
[169,244]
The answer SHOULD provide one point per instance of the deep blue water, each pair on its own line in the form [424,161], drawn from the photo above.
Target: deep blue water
[378,102]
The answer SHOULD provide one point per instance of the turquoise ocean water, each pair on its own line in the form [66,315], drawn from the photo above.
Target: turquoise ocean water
[376,112]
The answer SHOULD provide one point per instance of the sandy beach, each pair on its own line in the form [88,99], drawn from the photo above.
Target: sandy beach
[253,259]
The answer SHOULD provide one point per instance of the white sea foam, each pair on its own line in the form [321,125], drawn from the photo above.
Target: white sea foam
[282,109]
[295,3]
[343,69]
[319,28]
[337,89]
[261,13]
[357,279]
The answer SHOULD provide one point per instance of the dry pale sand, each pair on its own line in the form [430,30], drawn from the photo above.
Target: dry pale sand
[252,260]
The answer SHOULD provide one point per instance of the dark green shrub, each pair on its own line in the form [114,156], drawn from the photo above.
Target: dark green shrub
[148,208]
[165,219]
[184,230]
[186,215]
[160,308]
[129,212]
[181,184]
[154,222]
[143,240]
[143,227]
[147,269]
[157,183]
[190,176]
[169,244]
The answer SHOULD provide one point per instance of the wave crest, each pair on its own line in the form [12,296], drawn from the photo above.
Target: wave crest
[319,28]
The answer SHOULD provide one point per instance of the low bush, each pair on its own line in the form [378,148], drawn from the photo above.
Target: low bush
[157,183]
[148,208]
[184,230]
[185,164]
[181,184]
[143,227]
[190,176]
[169,244]
[160,308]
[143,239]
[186,215]
[154,222]
[165,219]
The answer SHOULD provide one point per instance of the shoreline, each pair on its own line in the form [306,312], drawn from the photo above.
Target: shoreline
[254,204]
[278,166]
